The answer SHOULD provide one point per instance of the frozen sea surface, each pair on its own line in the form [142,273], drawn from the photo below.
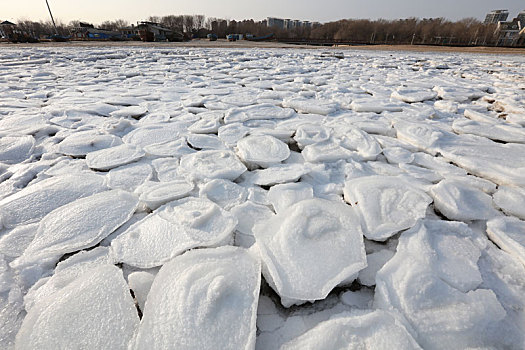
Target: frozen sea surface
[261,199]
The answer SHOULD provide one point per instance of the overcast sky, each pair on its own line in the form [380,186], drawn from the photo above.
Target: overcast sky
[314,10]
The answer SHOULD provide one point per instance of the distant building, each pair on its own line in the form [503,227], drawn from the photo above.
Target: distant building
[289,24]
[521,17]
[7,29]
[508,32]
[497,16]
[275,22]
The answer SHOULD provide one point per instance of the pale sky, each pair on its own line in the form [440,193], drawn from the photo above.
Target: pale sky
[97,11]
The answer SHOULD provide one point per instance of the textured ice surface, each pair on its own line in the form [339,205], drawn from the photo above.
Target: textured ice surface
[511,200]
[449,308]
[94,311]
[203,299]
[113,157]
[171,230]
[35,201]
[262,150]
[509,234]
[310,248]
[211,165]
[386,204]
[154,194]
[81,224]
[373,330]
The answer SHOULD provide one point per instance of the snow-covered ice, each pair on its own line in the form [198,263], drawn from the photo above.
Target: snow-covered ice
[219,198]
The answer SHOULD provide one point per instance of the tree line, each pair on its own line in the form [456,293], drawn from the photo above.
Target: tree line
[430,31]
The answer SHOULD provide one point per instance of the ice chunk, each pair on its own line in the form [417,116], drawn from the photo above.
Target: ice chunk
[386,204]
[113,157]
[129,177]
[13,243]
[35,201]
[81,143]
[327,151]
[509,234]
[310,248]
[413,95]
[261,111]
[154,133]
[176,148]
[204,299]
[377,329]
[511,200]
[307,134]
[208,124]
[447,309]
[15,149]
[498,132]
[198,141]
[310,106]
[81,224]
[262,150]
[278,174]
[285,195]
[171,230]
[223,192]
[211,165]
[155,194]
[459,201]
[95,311]
[131,111]
[356,139]
[248,215]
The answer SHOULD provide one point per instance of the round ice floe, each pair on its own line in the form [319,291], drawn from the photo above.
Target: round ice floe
[81,224]
[15,149]
[223,192]
[310,248]
[35,201]
[175,148]
[450,308]
[459,201]
[231,133]
[205,142]
[204,299]
[310,106]
[378,330]
[154,133]
[278,174]
[95,311]
[129,177]
[258,112]
[82,143]
[211,165]
[509,234]
[131,111]
[171,230]
[208,124]
[398,155]
[356,139]
[511,200]
[262,150]
[113,157]
[327,151]
[154,194]
[386,204]
[285,195]
[413,95]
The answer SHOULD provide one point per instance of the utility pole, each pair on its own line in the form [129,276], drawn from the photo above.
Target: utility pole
[413,37]
[52,19]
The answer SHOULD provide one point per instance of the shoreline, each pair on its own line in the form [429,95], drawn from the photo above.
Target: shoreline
[222,43]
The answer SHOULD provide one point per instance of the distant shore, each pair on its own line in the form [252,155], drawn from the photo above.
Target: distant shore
[271,44]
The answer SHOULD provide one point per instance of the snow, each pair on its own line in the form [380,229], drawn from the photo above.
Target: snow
[261,198]
[222,283]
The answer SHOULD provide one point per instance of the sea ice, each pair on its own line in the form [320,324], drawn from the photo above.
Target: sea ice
[171,230]
[509,234]
[310,248]
[262,150]
[203,299]
[113,157]
[386,204]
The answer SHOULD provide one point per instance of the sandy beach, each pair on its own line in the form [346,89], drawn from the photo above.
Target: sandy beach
[222,43]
